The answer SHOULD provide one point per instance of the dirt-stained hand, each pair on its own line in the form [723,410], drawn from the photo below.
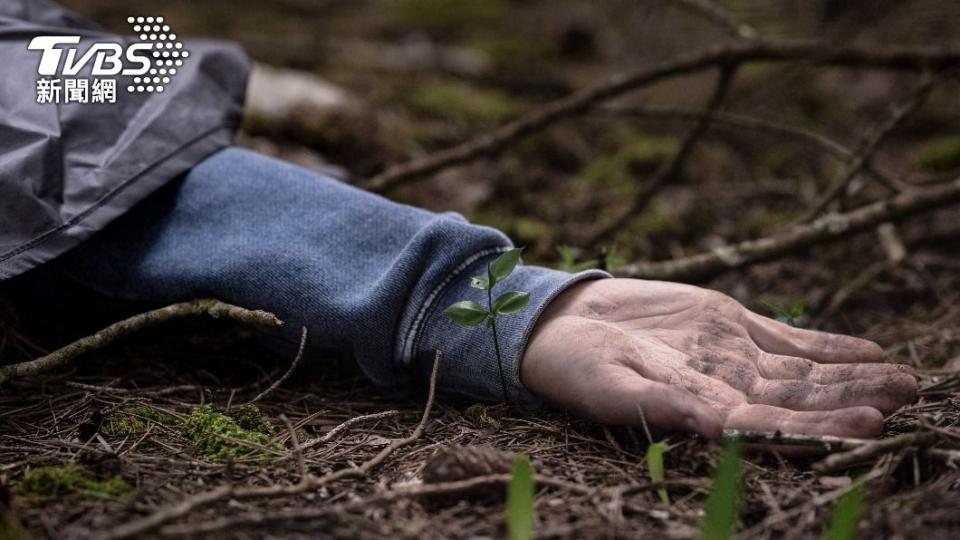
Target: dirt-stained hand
[697,360]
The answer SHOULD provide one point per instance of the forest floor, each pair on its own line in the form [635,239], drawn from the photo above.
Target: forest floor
[127,430]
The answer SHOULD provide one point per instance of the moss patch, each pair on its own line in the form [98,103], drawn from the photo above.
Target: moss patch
[940,154]
[216,436]
[461,103]
[54,481]
[250,418]
[135,419]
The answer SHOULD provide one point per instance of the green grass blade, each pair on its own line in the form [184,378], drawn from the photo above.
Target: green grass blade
[722,505]
[520,493]
[655,466]
[846,516]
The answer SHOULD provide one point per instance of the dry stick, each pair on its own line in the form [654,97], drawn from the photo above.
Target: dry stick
[212,308]
[874,448]
[673,168]
[295,444]
[719,16]
[827,228]
[827,144]
[908,58]
[293,367]
[194,502]
[871,143]
[345,425]
[827,443]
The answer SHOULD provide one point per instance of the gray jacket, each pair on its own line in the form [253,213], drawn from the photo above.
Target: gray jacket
[67,169]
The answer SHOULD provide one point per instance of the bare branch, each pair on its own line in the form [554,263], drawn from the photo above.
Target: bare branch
[293,367]
[742,121]
[672,169]
[872,449]
[871,143]
[828,228]
[327,437]
[212,308]
[753,51]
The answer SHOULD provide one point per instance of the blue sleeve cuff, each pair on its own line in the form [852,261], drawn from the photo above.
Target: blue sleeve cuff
[470,370]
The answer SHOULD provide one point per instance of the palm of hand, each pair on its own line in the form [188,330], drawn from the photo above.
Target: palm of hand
[694,359]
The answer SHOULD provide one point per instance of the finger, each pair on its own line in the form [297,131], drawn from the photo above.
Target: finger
[775,366]
[665,407]
[860,422]
[887,393]
[778,338]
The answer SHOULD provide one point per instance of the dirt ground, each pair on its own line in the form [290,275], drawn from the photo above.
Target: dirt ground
[121,433]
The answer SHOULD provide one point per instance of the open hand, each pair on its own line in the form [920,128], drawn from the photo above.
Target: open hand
[696,360]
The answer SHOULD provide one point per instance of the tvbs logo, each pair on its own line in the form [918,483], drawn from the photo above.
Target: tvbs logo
[151,62]
[106,57]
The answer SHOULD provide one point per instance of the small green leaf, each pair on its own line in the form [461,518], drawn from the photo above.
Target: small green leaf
[721,508]
[510,302]
[466,313]
[480,282]
[846,516]
[655,454]
[503,266]
[520,494]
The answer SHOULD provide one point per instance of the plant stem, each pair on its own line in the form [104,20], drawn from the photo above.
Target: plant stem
[496,345]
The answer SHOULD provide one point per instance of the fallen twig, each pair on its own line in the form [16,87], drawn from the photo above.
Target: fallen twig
[581,101]
[673,168]
[827,443]
[115,331]
[328,436]
[871,142]
[827,228]
[194,502]
[293,367]
[746,122]
[872,449]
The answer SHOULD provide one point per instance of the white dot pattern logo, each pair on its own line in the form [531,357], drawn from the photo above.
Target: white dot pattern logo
[167,52]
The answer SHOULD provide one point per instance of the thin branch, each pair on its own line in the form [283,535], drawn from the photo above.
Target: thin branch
[581,101]
[211,308]
[672,169]
[192,503]
[295,445]
[871,143]
[327,437]
[742,121]
[872,449]
[293,367]
[719,16]
[828,228]
[826,443]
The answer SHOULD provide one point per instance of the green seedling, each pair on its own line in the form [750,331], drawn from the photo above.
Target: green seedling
[471,313]
[723,503]
[655,467]
[520,498]
[846,516]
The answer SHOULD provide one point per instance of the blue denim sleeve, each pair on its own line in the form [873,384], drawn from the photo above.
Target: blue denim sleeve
[370,278]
